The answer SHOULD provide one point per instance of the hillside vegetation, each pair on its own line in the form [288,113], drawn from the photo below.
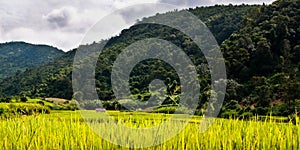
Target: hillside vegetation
[260,44]
[16,57]
[54,79]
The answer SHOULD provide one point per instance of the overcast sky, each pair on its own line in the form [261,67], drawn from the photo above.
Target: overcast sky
[63,23]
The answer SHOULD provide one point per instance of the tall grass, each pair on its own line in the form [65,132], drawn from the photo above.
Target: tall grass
[67,130]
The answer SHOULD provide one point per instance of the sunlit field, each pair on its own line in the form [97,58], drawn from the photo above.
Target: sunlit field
[67,130]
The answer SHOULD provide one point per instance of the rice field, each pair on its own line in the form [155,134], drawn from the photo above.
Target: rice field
[68,130]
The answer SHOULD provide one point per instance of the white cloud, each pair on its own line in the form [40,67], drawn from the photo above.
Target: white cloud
[50,37]
[114,23]
[105,29]
[125,3]
[59,23]
[60,17]
[64,23]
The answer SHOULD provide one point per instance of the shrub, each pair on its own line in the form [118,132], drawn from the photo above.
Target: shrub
[2,110]
[7,100]
[2,99]
[16,98]
[172,110]
[260,111]
[41,103]
[246,115]
[14,109]
[166,110]
[23,99]
[230,114]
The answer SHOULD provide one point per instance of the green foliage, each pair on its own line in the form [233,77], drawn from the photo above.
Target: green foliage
[16,57]
[5,100]
[261,56]
[171,110]
[260,45]
[260,111]
[51,80]
[166,110]
[15,109]
[41,103]
[285,109]
[231,114]
[23,99]
[54,79]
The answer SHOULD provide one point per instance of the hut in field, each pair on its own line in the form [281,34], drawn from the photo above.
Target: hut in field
[100,110]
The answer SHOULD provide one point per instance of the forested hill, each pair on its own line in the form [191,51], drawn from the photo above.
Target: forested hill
[49,80]
[264,57]
[221,20]
[16,57]
[54,79]
[263,60]
[260,44]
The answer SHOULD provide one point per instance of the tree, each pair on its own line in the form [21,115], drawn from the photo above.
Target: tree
[23,99]
[262,61]
[261,91]
[7,100]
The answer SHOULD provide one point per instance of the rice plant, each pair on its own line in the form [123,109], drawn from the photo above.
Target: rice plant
[68,130]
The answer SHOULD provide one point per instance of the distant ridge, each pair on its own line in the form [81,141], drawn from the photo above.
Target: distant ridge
[16,57]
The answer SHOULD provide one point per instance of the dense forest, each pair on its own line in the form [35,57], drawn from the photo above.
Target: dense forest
[52,80]
[260,44]
[263,59]
[16,57]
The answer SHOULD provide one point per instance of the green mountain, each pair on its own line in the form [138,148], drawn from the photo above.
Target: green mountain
[16,57]
[49,80]
[54,79]
[260,45]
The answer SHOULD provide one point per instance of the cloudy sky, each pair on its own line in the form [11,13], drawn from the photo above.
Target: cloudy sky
[64,23]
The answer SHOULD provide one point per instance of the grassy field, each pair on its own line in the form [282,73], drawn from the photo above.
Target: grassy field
[67,130]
